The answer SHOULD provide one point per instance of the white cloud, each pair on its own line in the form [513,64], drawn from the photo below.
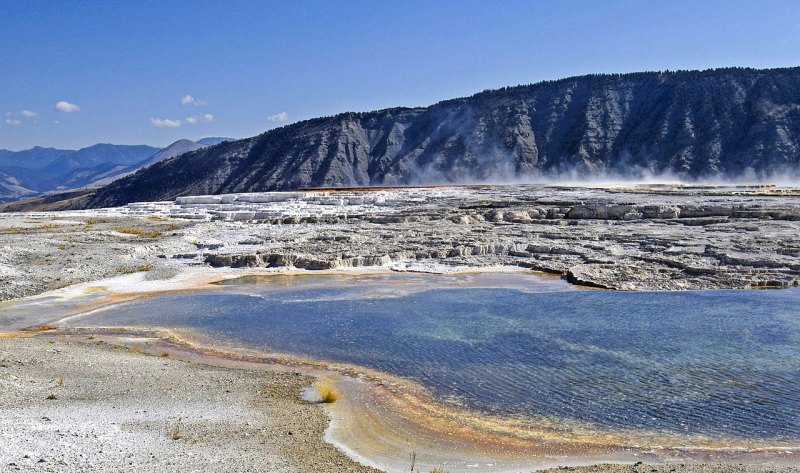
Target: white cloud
[161,123]
[11,121]
[66,107]
[278,117]
[204,118]
[28,113]
[189,100]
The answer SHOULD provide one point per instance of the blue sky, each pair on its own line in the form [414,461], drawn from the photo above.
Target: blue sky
[121,69]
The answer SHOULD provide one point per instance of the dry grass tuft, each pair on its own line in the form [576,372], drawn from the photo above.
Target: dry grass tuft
[143,268]
[147,232]
[326,392]
[14,230]
[175,431]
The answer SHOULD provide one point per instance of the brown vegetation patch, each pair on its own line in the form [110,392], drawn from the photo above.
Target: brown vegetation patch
[147,232]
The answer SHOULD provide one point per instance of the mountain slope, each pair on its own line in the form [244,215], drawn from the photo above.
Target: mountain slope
[213,140]
[34,158]
[175,149]
[11,188]
[726,123]
[46,169]
[99,154]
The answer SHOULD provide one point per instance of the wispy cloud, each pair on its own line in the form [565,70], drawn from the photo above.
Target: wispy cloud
[170,123]
[66,107]
[278,117]
[21,113]
[203,118]
[189,100]
[165,123]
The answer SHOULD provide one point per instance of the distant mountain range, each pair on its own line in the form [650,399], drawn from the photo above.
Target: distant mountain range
[39,170]
[733,123]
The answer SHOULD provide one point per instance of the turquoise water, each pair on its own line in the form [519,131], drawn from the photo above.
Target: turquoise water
[718,363]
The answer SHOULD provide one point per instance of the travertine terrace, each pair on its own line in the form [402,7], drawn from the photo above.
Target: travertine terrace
[633,237]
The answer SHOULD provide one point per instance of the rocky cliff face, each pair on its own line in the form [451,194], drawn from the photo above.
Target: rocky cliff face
[717,124]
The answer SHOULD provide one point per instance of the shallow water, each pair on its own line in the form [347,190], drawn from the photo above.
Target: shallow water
[722,364]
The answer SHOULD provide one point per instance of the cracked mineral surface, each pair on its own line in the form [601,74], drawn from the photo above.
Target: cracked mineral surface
[631,237]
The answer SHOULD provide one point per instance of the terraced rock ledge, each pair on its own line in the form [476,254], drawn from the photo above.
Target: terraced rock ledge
[644,237]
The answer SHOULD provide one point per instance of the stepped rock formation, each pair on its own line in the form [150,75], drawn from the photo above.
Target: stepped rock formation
[634,237]
[717,124]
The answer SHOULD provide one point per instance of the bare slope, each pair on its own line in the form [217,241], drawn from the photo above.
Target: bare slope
[727,123]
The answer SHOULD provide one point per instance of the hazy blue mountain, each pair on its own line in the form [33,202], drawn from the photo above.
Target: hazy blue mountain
[213,140]
[11,188]
[83,177]
[40,169]
[175,149]
[34,158]
[99,154]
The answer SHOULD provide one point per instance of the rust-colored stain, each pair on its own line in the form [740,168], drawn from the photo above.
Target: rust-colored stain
[388,188]
[40,328]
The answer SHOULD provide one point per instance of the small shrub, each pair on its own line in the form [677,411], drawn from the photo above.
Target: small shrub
[138,269]
[439,469]
[138,232]
[51,397]
[145,232]
[175,431]
[327,394]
